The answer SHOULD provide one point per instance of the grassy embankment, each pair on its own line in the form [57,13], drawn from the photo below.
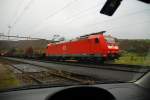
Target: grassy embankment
[135,52]
[133,59]
[7,78]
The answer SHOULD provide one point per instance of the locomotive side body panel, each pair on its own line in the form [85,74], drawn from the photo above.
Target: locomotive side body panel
[81,47]
[85,46]
[93,46]
[99,45]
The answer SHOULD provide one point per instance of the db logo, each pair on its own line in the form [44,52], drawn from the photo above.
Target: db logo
[64,47]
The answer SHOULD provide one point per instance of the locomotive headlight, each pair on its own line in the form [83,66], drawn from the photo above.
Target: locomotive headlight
[116,47]
[110,47]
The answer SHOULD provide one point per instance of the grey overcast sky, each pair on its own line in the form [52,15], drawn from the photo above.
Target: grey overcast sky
[72,18]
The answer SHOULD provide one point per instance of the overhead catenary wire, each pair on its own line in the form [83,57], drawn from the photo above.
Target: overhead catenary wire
[70,18]
[14,15]
[79,13]
[117,18]
[23,11]
[97,29]
[57,12]
[20,37]
[53,14]
[82,12]
[118,26]
[16,12]
[19,16]
[113,19]
[75,15]
[120,17]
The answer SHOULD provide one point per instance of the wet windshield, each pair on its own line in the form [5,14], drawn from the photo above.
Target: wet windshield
[69,42]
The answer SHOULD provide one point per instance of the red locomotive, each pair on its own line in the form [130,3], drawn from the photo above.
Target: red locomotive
[96,47]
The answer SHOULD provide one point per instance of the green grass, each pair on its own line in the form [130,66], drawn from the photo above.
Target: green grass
[7,78]
[133,59]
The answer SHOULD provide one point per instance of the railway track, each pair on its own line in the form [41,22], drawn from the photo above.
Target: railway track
[28,75]
[119,67]
[106,72]
[41,75]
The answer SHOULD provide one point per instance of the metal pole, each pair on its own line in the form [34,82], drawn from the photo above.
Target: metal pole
[9,31]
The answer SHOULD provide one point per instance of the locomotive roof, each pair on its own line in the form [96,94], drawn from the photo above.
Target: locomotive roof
[78,38]
[93,34]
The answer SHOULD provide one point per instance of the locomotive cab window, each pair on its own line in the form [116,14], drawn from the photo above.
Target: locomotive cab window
[96,40]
